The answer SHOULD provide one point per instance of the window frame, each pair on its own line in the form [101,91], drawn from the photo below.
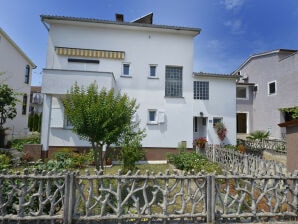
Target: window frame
[123,74]
[173,84]
[24,105]
[198,93]
[150,76]
[27,74]
[246,93]
[155,121]
[275,88]
[216,120]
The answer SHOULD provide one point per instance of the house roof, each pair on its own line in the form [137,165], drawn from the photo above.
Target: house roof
[289,123]
[214,75]
[267,53]
[2,32]
[137,23]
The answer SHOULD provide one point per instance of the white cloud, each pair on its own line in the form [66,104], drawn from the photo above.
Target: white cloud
[232,4]
[214,44]
[235,25]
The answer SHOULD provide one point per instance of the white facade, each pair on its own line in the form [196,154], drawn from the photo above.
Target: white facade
[108,47]
[15,66]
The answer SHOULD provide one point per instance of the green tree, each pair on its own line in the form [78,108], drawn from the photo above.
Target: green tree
[100,117]
[8,101]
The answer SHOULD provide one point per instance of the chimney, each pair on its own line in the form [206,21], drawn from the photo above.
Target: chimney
[119,17]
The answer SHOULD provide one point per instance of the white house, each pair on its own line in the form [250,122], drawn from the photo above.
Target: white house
[152,63]
[16,69]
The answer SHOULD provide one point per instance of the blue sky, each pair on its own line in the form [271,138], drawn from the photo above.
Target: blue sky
[232,30]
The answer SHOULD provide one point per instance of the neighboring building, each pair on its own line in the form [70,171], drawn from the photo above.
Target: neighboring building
[36,100]
[269,83]
[17,72]
[152,63]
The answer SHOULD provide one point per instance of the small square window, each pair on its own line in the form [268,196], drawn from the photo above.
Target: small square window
[272,88]
[241,92]
[217,120]
[152,116]
[125,69]
[152,71]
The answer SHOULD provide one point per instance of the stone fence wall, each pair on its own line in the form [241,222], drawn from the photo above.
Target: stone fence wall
[72,197]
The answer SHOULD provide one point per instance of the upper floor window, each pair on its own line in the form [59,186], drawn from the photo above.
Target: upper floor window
[152,116]
[24,107]
[272,88]
[173,85]
[27,74]
[152,73]
[125,69]
[241,92]
[201,90]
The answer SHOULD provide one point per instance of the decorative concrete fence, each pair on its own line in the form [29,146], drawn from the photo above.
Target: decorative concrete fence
[71,197]
[244,163]
[258,146]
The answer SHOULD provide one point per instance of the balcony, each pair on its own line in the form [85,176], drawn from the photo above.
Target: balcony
[57,81]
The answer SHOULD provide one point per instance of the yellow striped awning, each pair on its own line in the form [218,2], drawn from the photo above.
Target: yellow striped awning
[79,52]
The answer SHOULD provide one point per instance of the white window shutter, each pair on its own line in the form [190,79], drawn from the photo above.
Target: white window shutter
[161,116]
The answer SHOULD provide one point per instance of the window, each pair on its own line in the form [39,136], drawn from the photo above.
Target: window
[125,71]
[156,116]
[27,74]
[241,92]
[152,71]
[24,107]
[67,123]
[173,83]
[201,90]
[152,116]
[217,120]
[272,88]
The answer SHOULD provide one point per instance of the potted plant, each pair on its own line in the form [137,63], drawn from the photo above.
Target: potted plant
[221,130]
[200,143]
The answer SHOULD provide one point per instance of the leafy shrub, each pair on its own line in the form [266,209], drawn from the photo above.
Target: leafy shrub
[258,135]
[131,152]
[4,161]
[192,161]
[18,143]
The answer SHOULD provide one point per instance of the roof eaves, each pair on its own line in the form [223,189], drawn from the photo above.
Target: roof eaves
[214,75]
[251,57]
[17,48]
[44,18]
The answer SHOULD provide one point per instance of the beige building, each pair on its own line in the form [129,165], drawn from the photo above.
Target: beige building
[16,69]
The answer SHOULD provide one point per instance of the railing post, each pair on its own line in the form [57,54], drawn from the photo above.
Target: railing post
[68,198]
[246,166]
[213,153]
[210,199]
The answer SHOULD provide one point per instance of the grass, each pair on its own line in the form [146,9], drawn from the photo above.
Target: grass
[152,168]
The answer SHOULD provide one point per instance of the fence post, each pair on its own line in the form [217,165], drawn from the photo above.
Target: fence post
[68,198]
[211,199]
[246,166]
[213,153]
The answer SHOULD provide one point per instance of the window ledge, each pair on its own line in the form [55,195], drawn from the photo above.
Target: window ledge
[152,123]
[150,77]
[178,97]
[125,76]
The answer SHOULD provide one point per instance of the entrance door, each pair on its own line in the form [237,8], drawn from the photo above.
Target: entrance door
[199,127]
[242,123]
